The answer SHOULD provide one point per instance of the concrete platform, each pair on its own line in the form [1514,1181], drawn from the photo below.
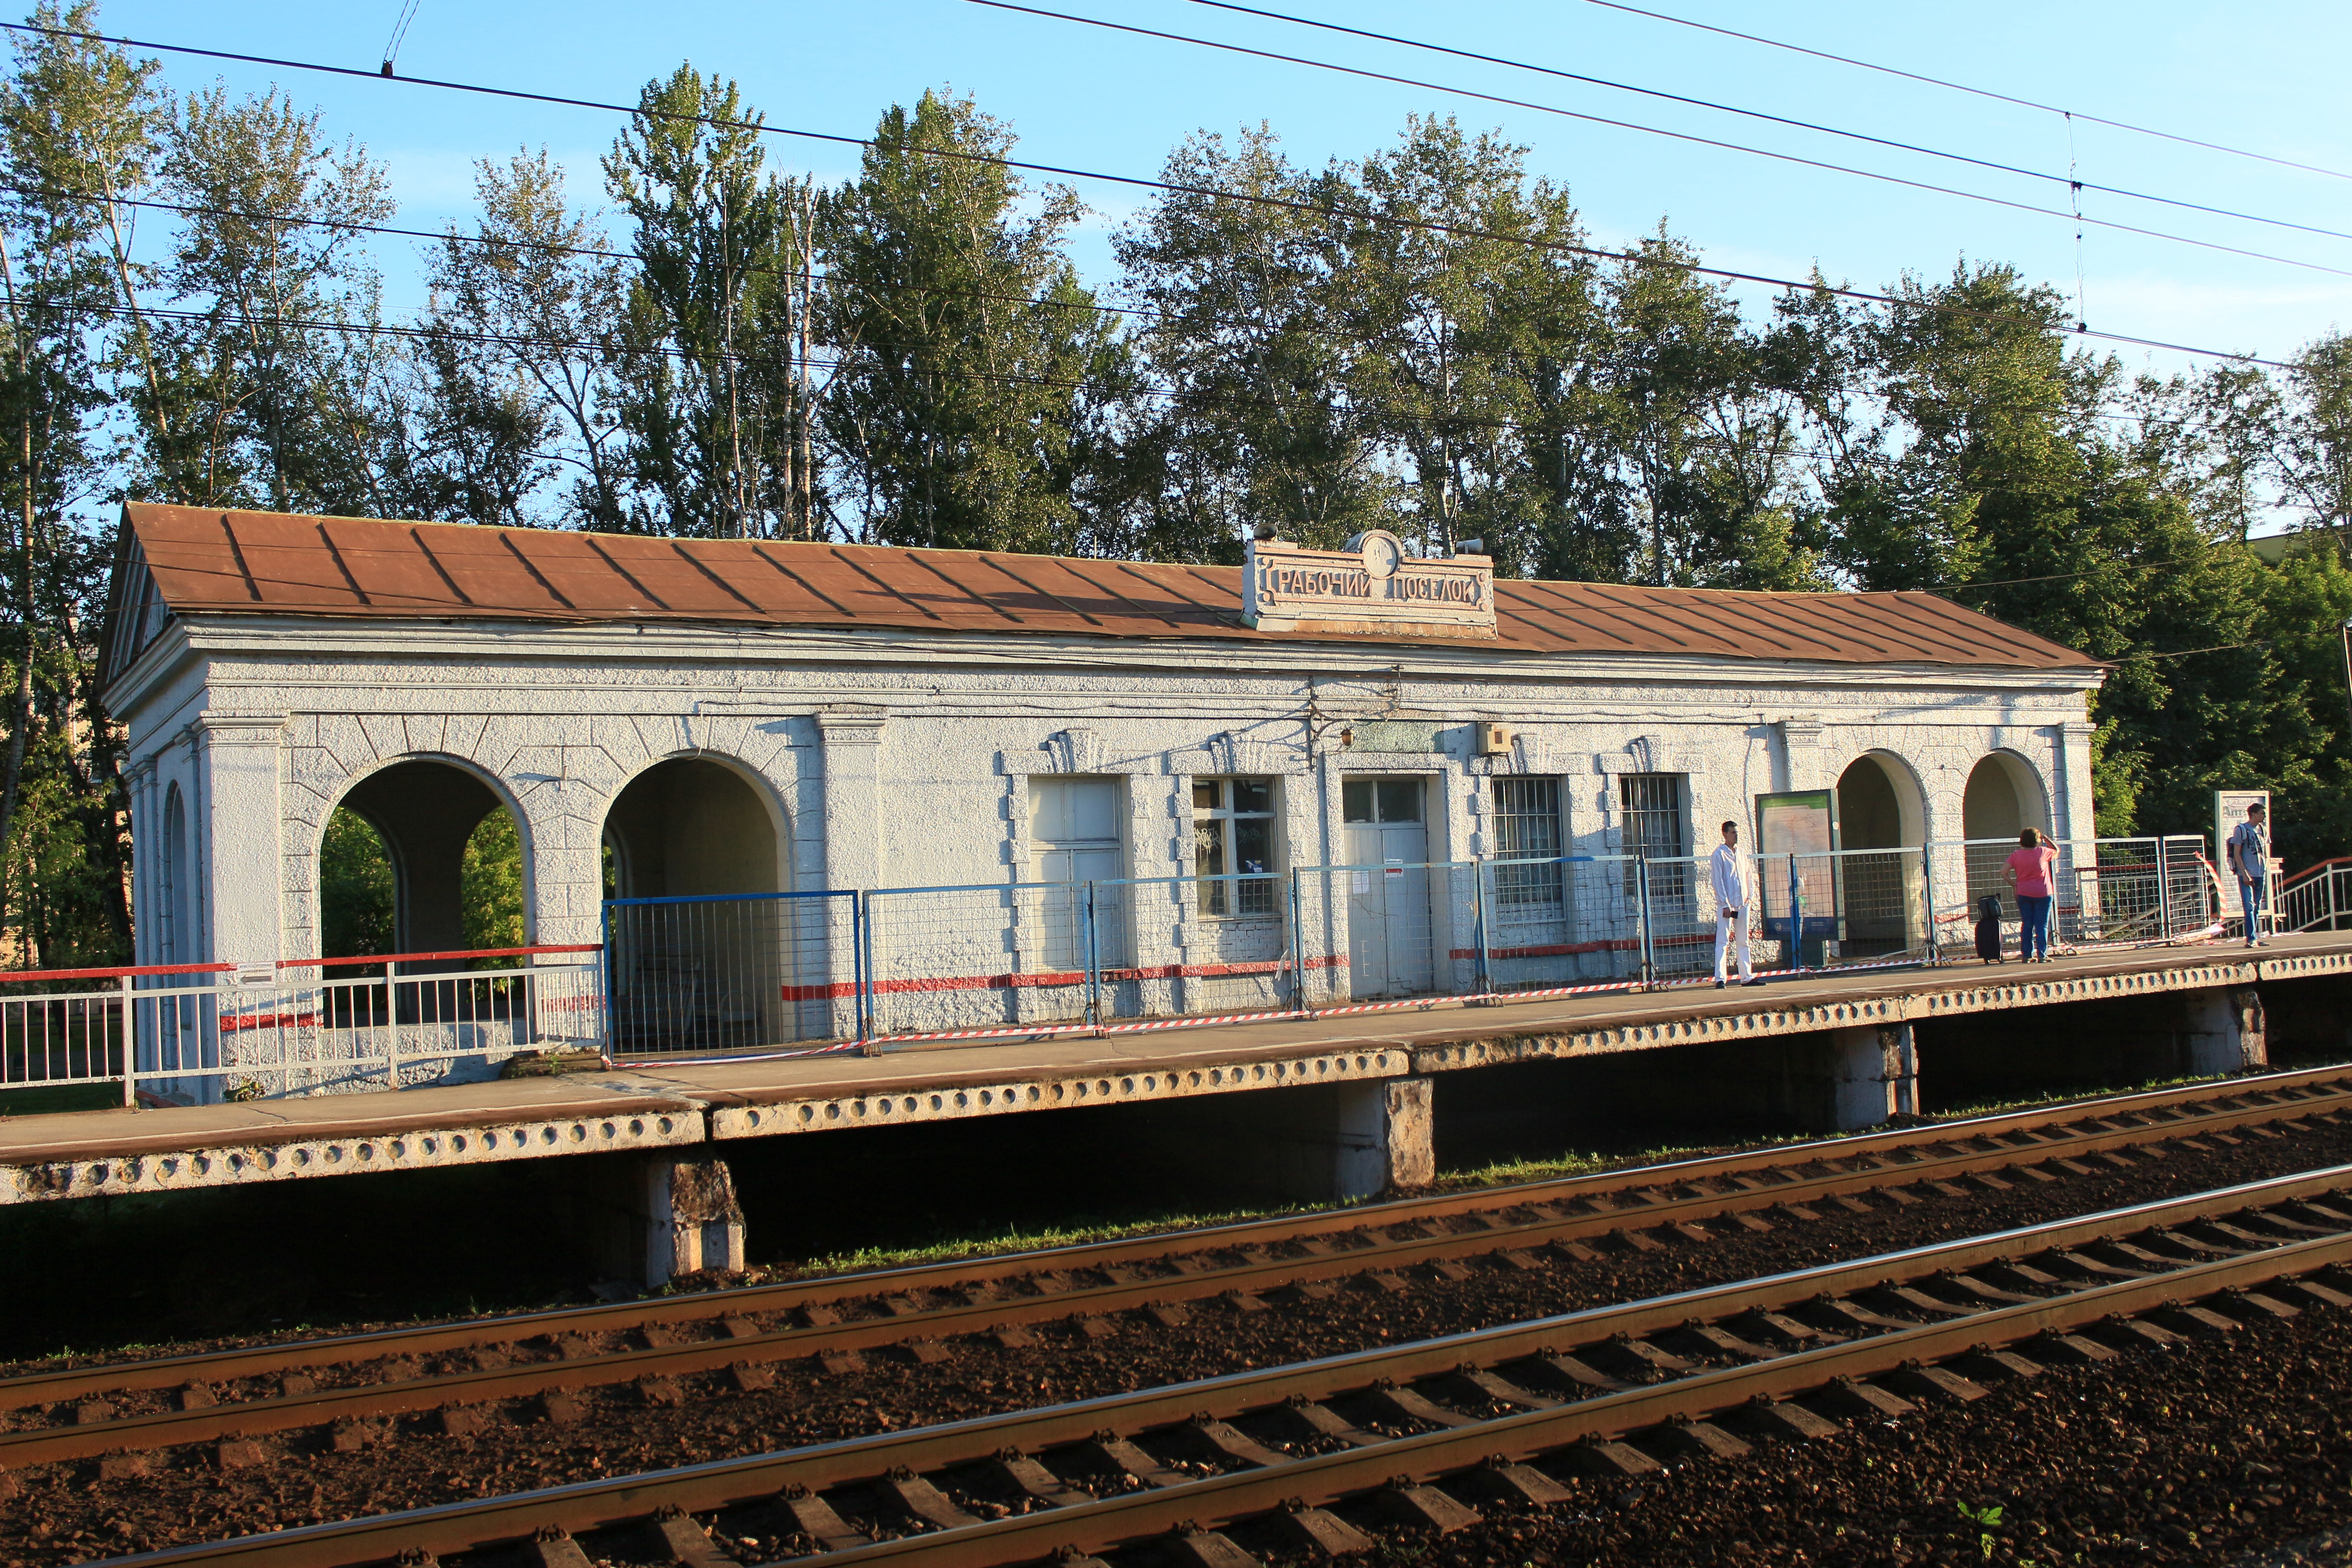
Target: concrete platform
[703,1108]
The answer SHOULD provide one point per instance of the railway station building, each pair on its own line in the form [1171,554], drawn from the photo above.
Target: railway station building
[668,718]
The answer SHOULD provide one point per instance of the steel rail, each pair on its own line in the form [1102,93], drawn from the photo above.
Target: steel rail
[323,1406]
[621,1500]
[1428,1456]
[2333,1086]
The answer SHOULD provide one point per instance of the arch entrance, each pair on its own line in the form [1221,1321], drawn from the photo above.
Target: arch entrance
[1881,886]
[433,863]
[698,962]
[2002,800]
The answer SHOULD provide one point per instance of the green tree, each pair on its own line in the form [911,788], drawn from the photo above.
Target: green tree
[77,123]
[970,352]
[277,392]
[712,340]
[355,889]
[1248,352]
[515,365]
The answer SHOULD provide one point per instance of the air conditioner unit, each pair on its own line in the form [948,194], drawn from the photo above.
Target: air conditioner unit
[1494,740]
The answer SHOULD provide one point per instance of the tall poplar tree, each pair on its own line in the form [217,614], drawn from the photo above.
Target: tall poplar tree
[76,125]
[710,350]
[964,410]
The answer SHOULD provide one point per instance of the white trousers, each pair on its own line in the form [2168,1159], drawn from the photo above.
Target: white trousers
[1726,926]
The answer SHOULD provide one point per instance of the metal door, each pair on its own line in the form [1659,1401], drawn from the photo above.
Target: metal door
[1075,823]
[1389,925]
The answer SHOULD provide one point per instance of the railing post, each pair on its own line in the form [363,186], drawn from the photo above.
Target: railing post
[861,926]
[130,1045]
[1478,918]
[1094,964]
[2164,889]
[1928,895]
[390,1025]
[1796,914]
[1641,916]
[1295,939]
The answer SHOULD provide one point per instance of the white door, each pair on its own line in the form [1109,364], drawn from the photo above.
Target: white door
[1390,932]
[1074,827]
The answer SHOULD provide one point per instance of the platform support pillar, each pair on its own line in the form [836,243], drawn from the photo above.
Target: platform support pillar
[2226,1032]
[1873,1075]
[1385,1142]
[648,1218]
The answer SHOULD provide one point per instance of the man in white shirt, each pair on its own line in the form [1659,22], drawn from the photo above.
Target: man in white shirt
[1726,869]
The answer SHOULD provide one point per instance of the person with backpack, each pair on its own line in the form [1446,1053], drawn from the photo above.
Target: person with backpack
[2028,874]
[2249,857]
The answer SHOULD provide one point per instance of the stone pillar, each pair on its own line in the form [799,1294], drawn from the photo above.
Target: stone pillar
[851,735]
[238,829]
[1873,1077]
[648,1218]
[2073,809]
[1384,1137]
[2224,1031]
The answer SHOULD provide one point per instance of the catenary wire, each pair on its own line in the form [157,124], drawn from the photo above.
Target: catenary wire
[1175,396]
[1141,181]
[1978,92]
[1684,136]
[558,247]
[2042,175]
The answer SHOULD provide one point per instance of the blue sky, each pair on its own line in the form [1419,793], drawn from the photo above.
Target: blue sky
[2268,78]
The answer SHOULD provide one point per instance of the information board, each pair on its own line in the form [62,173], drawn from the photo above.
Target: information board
[1802,823]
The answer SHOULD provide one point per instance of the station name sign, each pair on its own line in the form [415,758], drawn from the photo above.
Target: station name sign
[1371,586]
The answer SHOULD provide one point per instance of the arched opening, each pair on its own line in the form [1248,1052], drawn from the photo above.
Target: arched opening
[1881,884]
[709,971]
[421,856]
[174,946]
[689,827]
[1878,805]
[2004,797]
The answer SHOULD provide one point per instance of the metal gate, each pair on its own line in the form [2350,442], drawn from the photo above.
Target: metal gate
[733,971]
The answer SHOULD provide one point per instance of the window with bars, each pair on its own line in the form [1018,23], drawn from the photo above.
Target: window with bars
[1526,828]
[1653,830]
[1233,835]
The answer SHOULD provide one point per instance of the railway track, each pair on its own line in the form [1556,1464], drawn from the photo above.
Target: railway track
[1423,1431]
[341,1382]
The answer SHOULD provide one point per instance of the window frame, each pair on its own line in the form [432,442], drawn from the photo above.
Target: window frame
[1673,883]
[1527,894]
[1227,901]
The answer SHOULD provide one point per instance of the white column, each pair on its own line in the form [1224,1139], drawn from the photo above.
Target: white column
[2076,809]
[146,843]
[240,833]
[851,736]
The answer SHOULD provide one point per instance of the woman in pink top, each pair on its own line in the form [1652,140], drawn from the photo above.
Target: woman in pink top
[2028,874]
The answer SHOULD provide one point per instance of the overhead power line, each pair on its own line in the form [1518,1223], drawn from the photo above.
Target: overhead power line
[1671,135]
[2042,175]
[447,237]
[1978,91]
[1139,182]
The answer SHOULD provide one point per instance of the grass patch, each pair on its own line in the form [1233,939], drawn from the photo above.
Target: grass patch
[43,1098]
[1014,1238]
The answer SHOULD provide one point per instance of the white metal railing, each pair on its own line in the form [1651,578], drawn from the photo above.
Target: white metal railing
[201,1032]
[900,966]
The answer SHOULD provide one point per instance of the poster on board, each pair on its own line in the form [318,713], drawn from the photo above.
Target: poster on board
[1802,823]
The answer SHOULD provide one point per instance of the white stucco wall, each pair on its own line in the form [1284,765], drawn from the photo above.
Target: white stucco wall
[894,759]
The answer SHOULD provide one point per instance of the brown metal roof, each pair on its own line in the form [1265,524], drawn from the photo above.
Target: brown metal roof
[190,560]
